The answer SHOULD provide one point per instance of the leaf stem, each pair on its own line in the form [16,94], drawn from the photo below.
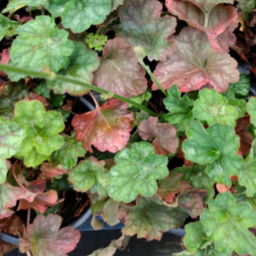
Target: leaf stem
[152,76]
[53,76]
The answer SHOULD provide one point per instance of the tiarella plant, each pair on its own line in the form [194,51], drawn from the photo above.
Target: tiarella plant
[171,140]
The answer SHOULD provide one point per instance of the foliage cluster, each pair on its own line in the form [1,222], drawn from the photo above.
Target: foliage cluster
[172,136]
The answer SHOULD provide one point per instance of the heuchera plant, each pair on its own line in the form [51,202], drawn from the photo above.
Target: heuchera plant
[171,140]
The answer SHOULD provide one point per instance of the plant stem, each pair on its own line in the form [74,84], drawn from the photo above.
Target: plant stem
[53,76]
[152,76]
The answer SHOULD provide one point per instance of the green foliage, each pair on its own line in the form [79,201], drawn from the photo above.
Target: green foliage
[212,107]
[136,172]
[17,4]
[42,130]
[216,147]
[180,109]
[251,106]
[7,27]
[96,41]
[40,43]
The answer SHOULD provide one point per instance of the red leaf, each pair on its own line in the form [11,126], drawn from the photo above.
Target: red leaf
[50,172]
[222,21]
[6,213]
[193,64]
[165,141]
[47,239]
[119,70]
[107,128]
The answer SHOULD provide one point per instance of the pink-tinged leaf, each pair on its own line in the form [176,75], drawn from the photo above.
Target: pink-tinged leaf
[192,201]
[41,202]
[106,128]
[119,70]
[6,213]
[171,186]
[9,195]
[34,96]
[218,22]
[48,240]
[50,172]
[166,141]
[5,58]
[22,19]
[194,65]
[222,188]
[142,25]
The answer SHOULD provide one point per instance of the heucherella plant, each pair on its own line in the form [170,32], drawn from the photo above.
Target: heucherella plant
[171,139]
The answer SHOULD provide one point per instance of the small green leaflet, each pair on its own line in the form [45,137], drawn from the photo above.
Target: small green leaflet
[90,175]
[7,27]
[79,15]
[227,223]
[217,147]
[212,107]
[82,63]
[96,41]
[41,44]
[11,137]
[136,172]
[180,109]
[42,130]
[68,154]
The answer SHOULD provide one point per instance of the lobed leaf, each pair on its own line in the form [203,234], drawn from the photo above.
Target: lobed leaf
[212,107]
[241,88]
[42,130]
[136,172]
[217,147]
[193,64]
[197,178]
[7,27]
[11,139]
[41,44]
[119,70]
[69,153]
[107,128]
[142,25]
[150,218]
[90,175]
[215,19]
[180,109]
[82,63]
[96,41]
[47,239]
[165,142]
[227,223]
[80,15]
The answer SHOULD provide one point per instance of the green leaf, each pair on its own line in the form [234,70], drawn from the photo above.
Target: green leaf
[56,100]
[180,109]
[213,108]
[227,224]
[10,94]
[17,4]
[7,27]
[39,44]
[56,7]
[198,243]
[136,172]
[217,147]
[65,114]
[81,65]
[142,25]
[90,175]
[239,105]
[96,41]
[247,172]
[15,77]
[11,137]
[241,88]
[68,154]
[198,178]
[146,96]
[150,218]
[79,15]
[42,130]
[42,90]
[247,6]
[251,107]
